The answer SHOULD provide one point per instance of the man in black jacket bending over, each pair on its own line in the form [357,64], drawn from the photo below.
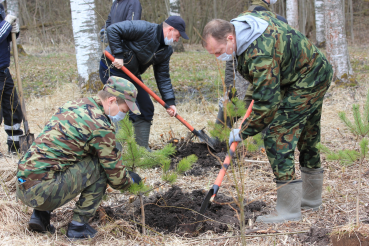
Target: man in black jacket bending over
[138,45]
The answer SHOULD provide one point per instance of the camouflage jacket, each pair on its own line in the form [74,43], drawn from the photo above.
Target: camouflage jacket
[78,129]
[256,3]
[280,59]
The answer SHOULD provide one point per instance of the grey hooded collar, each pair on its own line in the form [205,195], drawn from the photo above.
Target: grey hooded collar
[248,28]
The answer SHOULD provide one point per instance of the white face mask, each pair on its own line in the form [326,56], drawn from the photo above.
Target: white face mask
[169,41]
[273,1]
[225,56]
[118,117]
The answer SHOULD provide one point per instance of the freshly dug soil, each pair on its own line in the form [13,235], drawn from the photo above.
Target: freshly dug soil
[173,212]
[350,239]
[207,157]
[318,236]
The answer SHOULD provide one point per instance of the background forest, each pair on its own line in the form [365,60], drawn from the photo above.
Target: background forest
[51,72]
[48,22]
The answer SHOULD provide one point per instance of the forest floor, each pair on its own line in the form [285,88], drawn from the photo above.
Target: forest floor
[50,80]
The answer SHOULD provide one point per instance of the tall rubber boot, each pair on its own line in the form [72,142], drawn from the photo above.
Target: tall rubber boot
[117,144]
[142,133]
[288,207]
[312,186]
[220,119]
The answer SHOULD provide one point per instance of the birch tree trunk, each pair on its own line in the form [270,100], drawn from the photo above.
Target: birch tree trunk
[319,23]
[13,9]
[336,43]
[86,44]
[292,13]
[174,7]
[352,21]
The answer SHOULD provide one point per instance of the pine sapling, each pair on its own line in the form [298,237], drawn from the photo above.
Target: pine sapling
[360,128]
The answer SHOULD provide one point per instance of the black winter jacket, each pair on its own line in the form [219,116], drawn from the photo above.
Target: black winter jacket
[138,44]
[122,10]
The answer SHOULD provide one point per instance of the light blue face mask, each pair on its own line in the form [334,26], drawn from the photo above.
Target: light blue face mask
[225,56]
[169,41]
[118,117]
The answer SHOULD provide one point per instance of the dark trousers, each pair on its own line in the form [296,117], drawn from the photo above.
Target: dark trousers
[10,108]
[143,99]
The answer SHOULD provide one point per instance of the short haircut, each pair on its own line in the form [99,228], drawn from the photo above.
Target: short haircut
[165,25]
[217,28]
[104,95]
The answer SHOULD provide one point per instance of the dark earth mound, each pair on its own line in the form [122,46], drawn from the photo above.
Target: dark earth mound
[317,236]
[173,212]
[206,159]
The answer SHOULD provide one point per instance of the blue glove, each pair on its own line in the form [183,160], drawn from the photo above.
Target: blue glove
[234,136]
[103,36]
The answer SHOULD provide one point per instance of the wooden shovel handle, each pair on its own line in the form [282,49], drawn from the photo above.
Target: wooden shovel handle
[19,82]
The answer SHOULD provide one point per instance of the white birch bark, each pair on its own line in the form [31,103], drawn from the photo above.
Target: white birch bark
[85,39]
[336,42]
[319,22]
[12,7]
[292,13]
[352,21]
[174,7]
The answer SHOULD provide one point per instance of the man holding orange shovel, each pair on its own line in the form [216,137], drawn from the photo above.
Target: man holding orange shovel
[290,77]
[137,45]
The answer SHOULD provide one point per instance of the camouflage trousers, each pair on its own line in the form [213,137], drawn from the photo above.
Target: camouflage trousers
[87,178]
[296,123]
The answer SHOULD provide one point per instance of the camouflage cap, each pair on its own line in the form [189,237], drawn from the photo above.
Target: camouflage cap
[124,89]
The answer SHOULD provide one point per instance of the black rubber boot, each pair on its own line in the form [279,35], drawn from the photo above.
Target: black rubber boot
[14,148]
[220,119]
[142,133]
[80,231]
[40,222]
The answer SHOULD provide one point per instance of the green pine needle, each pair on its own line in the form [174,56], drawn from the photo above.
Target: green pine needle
[170,177]
[186,163]
[139,188]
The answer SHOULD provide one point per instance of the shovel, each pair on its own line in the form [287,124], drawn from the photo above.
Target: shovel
[27,139]
[200,134]
[214,190]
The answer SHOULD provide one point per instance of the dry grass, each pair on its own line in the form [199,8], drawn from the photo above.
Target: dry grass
[339,192]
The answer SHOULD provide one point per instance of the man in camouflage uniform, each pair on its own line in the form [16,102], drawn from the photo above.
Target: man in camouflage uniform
[76,154]
[233,79]
[290,77]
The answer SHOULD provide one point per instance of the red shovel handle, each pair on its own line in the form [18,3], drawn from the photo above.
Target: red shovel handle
[147,89]
[232,149]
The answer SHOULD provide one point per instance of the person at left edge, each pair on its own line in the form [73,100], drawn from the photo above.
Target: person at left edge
[75,154]
[10,106]
[138,45]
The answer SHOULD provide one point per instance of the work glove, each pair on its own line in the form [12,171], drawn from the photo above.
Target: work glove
[15,27]
[234,136]
[135,177]
[10,18]
[103,36]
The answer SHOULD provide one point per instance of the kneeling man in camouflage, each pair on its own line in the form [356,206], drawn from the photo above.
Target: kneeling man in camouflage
[75,154]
